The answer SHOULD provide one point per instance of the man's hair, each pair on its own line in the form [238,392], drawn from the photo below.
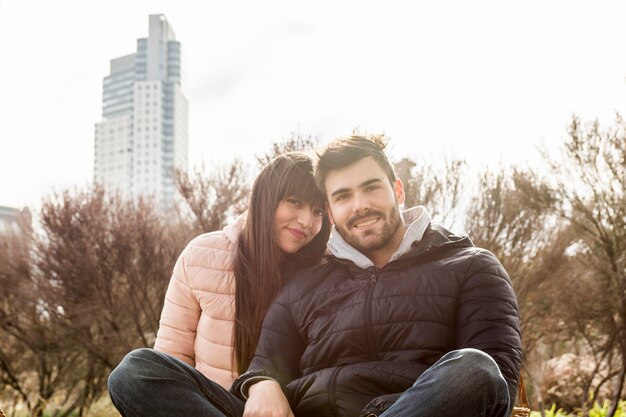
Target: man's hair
[345,151]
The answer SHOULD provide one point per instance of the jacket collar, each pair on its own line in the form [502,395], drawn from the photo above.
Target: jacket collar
[416,221]
[233,230]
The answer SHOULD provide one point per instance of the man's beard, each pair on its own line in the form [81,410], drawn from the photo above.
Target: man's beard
[363,243]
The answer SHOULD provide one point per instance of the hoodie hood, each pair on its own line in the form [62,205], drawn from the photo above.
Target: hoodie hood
[416,220]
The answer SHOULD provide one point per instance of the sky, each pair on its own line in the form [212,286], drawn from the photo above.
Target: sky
[488,81]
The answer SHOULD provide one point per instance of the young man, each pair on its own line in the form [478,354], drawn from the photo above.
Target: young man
[405,319]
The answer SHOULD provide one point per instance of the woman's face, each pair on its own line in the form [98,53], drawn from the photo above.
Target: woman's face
[296,223]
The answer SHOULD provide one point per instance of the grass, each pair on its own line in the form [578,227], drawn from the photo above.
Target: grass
[597,411]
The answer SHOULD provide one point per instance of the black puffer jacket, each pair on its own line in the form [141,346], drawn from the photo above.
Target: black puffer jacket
[339,336]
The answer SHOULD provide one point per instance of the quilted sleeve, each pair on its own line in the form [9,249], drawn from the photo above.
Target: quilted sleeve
[180,315]
[488,316]
[279,349]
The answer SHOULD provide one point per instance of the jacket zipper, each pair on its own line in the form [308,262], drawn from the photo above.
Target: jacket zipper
[368,315]
[332,398]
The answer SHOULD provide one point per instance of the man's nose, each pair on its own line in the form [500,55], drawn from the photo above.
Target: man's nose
[361,202]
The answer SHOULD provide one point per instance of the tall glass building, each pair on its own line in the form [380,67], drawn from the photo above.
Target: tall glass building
[142,138]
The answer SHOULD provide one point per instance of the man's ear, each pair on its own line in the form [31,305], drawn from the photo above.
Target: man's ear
[329,213]
[398,187]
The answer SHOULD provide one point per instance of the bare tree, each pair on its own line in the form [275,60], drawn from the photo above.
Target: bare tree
[89,286]
[590,193]
[588,338]
[35,358]
[295,142]
[510,216]
[15,286]
[213,198]
[438,187]
[104,266]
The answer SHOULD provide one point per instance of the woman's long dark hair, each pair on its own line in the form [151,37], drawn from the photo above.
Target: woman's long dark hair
[260,266]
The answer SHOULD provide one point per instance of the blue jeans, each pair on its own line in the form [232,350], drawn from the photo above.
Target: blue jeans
[151,383]
[463,383]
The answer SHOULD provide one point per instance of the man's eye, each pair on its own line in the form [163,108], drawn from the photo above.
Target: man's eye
[341,197]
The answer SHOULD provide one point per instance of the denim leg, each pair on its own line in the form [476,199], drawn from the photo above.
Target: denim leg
[150,383]
[463,383]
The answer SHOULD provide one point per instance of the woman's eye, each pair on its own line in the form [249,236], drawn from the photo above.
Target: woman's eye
[318,212]
[294,202]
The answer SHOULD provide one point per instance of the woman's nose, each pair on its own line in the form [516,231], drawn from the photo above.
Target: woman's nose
[304,216]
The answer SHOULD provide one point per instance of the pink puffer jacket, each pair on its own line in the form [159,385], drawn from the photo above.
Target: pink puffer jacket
[198,316]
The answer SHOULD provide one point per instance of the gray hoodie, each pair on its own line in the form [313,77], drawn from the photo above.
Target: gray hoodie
[416,220]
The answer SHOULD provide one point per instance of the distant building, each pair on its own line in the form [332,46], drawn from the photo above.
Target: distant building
[142,138]
[10,218]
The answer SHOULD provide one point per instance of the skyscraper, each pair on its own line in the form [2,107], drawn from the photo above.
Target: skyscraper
[142,138]
[11,219]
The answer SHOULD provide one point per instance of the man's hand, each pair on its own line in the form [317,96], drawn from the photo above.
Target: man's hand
[266,399]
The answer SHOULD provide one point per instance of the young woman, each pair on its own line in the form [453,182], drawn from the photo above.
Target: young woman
[223,283]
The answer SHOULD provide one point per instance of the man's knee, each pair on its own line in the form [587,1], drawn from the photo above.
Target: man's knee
[475,357]
[475,367]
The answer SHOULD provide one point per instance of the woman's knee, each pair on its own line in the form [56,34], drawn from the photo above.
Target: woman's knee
[125,374]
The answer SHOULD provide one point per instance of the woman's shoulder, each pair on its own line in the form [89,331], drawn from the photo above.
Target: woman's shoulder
[218,240]
[206,263]
[212,250]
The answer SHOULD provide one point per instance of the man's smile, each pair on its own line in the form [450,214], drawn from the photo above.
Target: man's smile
[366,222]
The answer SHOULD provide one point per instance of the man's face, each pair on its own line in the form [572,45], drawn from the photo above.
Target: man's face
[364,206]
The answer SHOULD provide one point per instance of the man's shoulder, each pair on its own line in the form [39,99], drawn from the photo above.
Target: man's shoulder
[439,235]
[458,251]
[441,244]
[484,261]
